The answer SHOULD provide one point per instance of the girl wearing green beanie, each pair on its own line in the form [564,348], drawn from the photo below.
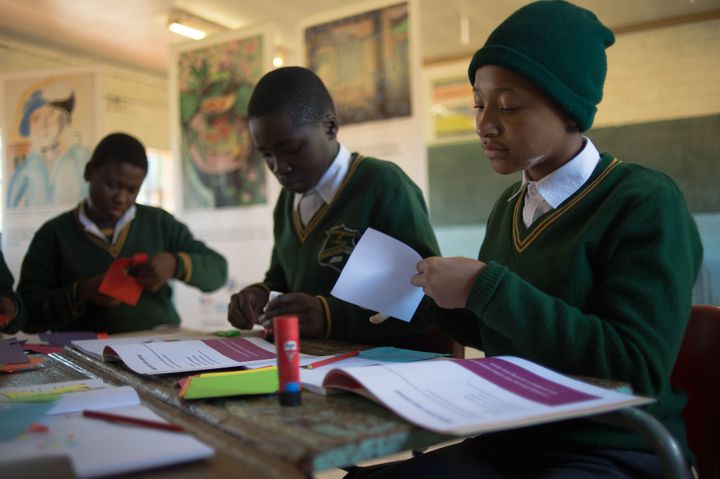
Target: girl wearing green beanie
[587,266]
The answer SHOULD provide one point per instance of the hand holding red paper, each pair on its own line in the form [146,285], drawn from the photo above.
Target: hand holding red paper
[88,291]
[7,310]
[152,274]
[119,284]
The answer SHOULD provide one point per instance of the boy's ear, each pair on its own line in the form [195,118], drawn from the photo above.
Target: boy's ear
[331,125]
[88,171]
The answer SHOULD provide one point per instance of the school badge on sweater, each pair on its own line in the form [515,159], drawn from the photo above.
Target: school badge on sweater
[339,244]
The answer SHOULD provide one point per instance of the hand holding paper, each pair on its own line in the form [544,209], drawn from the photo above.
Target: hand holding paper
[247,305]
[119,284]
[448,280]
[154,272]
[377,276]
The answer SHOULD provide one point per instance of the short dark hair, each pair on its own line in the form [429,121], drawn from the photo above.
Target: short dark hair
[122,148]
[294,90]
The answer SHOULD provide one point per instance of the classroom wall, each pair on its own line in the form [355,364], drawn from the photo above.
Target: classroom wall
[661,107]
[662,74]
[135,101]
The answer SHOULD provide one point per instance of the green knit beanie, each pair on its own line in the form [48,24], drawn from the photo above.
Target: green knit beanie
[557,46]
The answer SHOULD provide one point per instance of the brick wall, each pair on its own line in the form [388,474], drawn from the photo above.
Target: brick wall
[663,74]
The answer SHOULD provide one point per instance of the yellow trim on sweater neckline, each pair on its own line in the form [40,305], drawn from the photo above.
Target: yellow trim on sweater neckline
[520,243]
[304,231]
[112,249]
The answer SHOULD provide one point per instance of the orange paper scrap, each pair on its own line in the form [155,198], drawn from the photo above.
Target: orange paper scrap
[119,284]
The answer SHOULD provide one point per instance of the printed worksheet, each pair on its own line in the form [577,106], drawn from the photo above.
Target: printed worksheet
[166,357]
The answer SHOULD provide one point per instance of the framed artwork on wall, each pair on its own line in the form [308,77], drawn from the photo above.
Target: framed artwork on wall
[220,167]
[451,109]
[49,131]
[364,61]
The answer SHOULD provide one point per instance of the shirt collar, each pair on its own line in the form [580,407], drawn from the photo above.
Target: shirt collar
[93,229]
[559,185]
[331,180]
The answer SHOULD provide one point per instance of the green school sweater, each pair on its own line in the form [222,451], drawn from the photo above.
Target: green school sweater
[62,253]
[600,286]
[309,259]
[6,288]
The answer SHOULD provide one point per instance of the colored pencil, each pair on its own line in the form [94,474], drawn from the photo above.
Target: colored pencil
[333,359]
[132,420]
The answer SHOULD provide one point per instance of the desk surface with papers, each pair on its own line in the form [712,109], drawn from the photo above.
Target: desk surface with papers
[254,436]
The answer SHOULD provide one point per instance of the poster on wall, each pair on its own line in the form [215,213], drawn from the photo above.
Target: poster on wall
[450,113]
[219,165]
[225,191]
[369,56]
[48,130]
[451,108]
[364,61]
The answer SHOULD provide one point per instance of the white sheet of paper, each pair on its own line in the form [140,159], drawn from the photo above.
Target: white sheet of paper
[100,448]
[377,276]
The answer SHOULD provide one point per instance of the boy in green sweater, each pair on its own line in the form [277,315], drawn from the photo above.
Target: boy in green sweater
[587,265]
[329,198]
[69,255]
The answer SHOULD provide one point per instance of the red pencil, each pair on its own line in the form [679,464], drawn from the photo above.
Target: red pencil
[133,420]
[333,359]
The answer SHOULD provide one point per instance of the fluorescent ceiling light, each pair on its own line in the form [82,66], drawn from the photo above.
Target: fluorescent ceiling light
[186,31]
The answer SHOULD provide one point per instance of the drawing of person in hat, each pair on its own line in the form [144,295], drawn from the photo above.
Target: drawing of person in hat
[52,171]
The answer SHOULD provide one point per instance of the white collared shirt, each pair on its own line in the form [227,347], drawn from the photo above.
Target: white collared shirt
[549,192]
[326,189]
[93,229]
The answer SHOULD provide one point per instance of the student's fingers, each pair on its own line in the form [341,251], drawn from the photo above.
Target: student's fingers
[288,303]
[309,309]
[312,321]
[163,266]
[378,318]
[143,270]
[88,288]
[237,316]
[420,280]
[7,306]
[252,301]
[105,301]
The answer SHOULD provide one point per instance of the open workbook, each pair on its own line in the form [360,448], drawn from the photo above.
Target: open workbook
[471,396]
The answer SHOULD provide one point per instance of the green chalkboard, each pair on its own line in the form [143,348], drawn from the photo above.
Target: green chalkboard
[687,150]
[463,186]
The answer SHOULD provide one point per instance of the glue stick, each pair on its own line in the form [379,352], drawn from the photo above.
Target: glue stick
[287,342]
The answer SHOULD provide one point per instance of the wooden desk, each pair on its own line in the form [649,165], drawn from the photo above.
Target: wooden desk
[232,458]
[255,436]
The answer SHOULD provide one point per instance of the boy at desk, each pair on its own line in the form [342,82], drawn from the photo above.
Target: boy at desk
[329,198]
[587,265]
[69,255]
